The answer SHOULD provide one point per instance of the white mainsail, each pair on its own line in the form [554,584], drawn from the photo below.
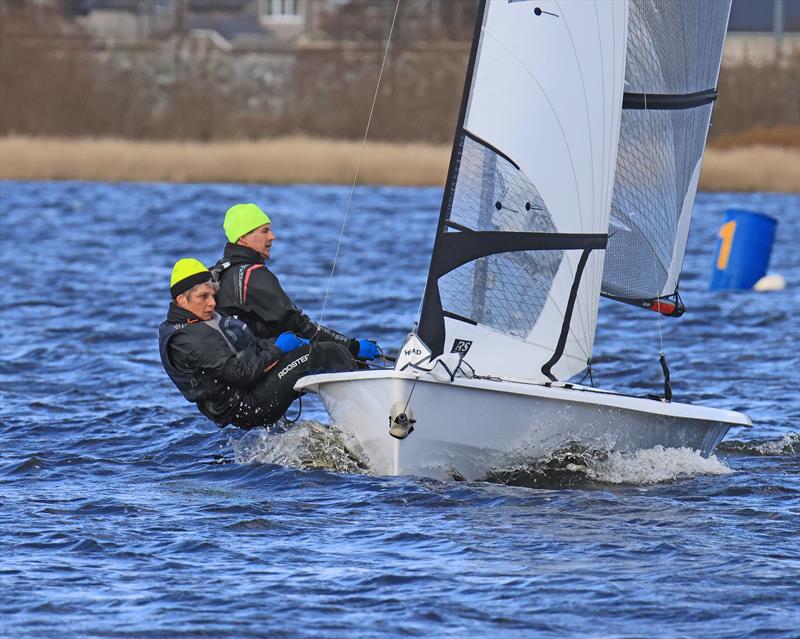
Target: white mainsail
[517,263]
[673,59]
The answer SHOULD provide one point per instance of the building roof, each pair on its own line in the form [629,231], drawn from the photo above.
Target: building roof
[758,15]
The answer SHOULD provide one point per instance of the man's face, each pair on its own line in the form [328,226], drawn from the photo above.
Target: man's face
[199,301]
[260,240]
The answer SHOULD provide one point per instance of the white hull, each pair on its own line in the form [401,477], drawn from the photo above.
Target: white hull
[469,427]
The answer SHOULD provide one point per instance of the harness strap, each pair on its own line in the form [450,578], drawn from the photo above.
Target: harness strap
[249,270]
[218,269]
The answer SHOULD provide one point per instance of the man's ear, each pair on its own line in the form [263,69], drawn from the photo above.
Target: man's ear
[182,300]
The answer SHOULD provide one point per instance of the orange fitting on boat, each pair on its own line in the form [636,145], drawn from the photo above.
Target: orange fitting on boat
[660,306]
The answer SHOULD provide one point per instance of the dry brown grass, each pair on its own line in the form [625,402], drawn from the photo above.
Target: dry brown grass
[787,135]
[753,168]
[305,160]
[276,161]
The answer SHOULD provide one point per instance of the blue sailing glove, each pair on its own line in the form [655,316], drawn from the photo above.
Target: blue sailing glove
[367,349]
[289,341]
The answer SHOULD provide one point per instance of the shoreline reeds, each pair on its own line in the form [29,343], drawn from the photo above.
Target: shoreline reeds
[275,161]
[290,160]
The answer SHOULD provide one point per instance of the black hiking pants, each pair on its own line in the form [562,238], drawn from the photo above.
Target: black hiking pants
[267,402]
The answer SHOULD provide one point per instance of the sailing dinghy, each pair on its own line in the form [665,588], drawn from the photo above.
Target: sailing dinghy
[573,174]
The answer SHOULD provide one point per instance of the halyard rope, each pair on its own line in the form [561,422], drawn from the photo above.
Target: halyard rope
[658,292]
[358,165]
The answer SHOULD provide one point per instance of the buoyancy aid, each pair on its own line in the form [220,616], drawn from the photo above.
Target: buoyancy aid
[234,331]
[240,278]
[250,291]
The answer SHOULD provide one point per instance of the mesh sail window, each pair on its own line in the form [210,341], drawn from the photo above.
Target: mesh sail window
[506,291]
[673,57]
[517,260]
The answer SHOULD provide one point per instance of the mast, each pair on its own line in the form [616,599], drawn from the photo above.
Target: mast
[427,320]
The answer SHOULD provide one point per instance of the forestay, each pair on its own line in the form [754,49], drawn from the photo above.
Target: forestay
[673,59]
[517,261]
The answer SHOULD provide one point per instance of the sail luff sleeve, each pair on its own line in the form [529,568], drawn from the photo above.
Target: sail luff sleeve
[430,308]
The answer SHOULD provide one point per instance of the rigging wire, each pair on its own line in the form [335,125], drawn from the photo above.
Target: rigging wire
[660,331]
[662,356]
[408,399]
[358,164]
[657,299]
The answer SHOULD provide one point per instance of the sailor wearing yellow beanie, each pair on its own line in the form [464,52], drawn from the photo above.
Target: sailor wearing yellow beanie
[192,288]
[241,219]
[186,274]
[249,290]
[218,364]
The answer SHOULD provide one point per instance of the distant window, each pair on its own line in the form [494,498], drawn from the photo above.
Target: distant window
[282,11]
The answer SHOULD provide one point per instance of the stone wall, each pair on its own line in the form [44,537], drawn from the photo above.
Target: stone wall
[176,90]
[64,84]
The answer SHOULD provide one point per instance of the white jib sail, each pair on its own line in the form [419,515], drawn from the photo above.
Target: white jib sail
[673,60]
[532,172]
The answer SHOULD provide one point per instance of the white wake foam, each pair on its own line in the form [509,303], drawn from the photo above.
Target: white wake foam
[303,445]
[312,445]
[789,443]
[652,466]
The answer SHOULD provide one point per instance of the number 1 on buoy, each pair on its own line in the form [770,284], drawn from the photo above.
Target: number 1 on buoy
[726,233]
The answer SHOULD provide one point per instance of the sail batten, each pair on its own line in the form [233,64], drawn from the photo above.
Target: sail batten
[518,255]
[664,101]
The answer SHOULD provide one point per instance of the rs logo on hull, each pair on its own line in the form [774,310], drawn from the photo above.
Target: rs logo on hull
[461,346]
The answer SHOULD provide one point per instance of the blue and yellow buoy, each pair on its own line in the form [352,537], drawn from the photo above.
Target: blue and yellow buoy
[743,250]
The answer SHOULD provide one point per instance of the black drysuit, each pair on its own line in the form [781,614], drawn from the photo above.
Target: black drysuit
[232,376]
[250,291]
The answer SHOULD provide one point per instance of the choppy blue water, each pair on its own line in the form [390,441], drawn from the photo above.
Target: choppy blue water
[126,514]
